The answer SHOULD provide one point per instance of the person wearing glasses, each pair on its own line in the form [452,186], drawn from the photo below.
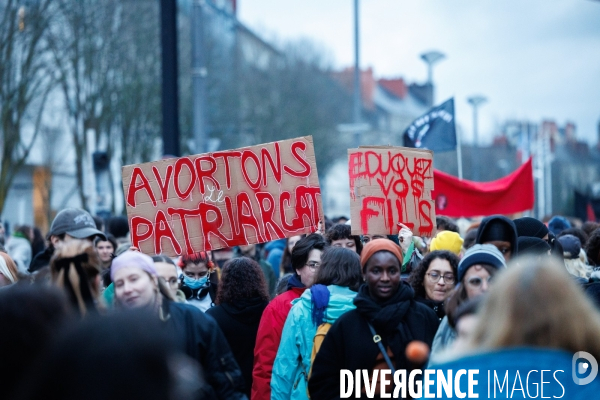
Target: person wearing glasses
[306,260]
[167,271]
[476,269]
[434,278]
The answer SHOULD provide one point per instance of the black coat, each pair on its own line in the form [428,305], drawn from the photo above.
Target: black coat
[349,343]
[239,322]
[436,306]
[201,338]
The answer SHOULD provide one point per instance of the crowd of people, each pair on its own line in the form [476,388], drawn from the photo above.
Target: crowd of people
[82,311]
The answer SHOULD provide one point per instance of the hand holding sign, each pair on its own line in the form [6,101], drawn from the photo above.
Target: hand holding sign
[405,236]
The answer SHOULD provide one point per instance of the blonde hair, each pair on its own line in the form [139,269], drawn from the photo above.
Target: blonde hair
[11,266]
[536,303]
[75,268]
[578,266]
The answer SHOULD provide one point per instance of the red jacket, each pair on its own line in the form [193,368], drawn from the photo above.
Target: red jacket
[267,341]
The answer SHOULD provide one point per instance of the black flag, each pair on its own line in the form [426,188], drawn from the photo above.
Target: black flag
[434,130]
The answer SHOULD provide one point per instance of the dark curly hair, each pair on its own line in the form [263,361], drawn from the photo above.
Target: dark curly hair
[592,248]
[417,276]
[241,278]
[339,231]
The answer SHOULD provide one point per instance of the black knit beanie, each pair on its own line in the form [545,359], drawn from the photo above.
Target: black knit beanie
[496,230]
[528,226]
[532,246]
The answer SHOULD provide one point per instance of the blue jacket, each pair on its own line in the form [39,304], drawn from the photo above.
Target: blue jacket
[503,382]
[292,363]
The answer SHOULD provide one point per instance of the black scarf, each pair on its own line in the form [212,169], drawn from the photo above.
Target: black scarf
[436,306]
[388,318]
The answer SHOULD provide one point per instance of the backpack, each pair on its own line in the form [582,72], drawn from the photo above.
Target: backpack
[317,341]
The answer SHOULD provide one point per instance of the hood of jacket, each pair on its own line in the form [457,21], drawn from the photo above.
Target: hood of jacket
[247,311]
[294,282]
[508,226]
[340,301]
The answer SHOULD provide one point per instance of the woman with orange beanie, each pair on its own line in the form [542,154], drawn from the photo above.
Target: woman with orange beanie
[385,307]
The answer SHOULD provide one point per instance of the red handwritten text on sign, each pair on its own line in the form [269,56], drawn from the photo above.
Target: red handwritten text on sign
[390,185]
[223,199]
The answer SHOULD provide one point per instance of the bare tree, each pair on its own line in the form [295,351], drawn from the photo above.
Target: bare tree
[83,33]
[25,82]
[257,92]
[137,60]
[296,96]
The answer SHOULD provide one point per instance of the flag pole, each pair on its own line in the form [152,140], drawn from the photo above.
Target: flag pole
[459,154]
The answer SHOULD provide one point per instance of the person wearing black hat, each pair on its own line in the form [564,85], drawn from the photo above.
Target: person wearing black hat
[500,232]
[533,246]
[531,227]
[528,226]
[70,223]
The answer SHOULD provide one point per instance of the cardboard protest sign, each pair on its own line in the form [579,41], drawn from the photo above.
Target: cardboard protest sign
[390,185]
[223,199]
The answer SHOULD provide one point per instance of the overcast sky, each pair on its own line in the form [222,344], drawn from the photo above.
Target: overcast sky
[533,59]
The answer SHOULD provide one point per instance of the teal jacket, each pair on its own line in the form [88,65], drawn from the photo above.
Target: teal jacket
[292,364]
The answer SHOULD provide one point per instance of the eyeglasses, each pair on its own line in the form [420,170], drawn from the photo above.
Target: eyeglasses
[477,282]
[173,282]
[313,265]
[435,277]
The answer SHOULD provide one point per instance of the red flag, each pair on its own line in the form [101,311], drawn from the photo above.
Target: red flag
[591,216]
[511,194]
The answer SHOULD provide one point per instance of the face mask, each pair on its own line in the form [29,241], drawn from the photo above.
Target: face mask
[194,283]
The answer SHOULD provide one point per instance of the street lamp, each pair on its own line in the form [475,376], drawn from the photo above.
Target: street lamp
[430,58]
[476,101]
[357,96]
